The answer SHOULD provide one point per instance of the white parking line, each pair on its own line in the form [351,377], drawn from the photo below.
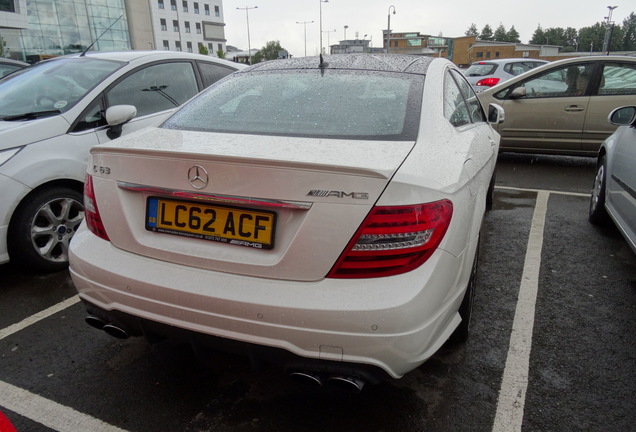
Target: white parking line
[51,414]
[551,192]
[37,317]
[512,394]
[41,410]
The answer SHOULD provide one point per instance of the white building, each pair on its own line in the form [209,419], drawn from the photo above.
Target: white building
[179,25]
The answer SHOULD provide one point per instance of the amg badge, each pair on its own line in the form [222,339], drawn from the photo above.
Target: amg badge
[338,194]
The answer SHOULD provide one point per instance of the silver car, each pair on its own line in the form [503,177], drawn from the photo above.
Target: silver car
[614,191]
[484,74]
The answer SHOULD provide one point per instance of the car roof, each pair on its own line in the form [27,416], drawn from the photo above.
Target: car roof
[508,60]
[368,62]
[133,55]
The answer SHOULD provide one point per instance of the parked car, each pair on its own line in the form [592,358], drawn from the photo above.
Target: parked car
[562,107]
[53,112]
[614,190]
[8,66]
[487,73]
[328,211]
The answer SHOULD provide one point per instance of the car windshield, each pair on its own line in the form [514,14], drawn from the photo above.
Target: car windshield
[51,87]
[480,69]
[333,103]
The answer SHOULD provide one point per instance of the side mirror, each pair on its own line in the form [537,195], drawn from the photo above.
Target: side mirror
[623,116]
[496,114]
[518,93]
[117,116]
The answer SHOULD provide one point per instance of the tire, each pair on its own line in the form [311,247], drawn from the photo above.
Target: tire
[460,335]
[598,214]
[43,226]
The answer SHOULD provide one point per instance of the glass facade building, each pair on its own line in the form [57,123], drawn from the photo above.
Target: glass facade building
[56,27]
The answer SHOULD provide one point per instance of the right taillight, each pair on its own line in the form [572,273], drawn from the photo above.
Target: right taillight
[487,82]
[394,240]
[91,212]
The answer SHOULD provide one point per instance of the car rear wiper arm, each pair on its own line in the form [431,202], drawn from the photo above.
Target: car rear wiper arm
[31,115]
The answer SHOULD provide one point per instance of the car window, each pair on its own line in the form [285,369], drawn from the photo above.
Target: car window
[455,109]
[300,103]
[568,80]
[518,68]
[52,86]
[6,69]
[474,106]
[618,79]
[480,69]
[212,72]
[92,118]
[155,88]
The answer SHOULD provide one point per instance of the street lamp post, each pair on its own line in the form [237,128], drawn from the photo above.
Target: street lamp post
[321,2]
[304,23]
[247,16]
[345,32]
[388,30]
[608,29]
[328,41]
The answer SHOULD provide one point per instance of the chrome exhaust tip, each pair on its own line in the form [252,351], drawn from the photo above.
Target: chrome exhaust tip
[346,384]
[306,378]
[95,321]
[115,331]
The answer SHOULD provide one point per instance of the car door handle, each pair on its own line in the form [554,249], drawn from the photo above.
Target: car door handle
[574,108]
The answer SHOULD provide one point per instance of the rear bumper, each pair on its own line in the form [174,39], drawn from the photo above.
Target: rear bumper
[393,324]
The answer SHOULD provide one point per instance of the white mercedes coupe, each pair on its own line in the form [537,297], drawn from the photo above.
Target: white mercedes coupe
[319,213]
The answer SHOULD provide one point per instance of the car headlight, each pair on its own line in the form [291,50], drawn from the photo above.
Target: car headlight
[7,154]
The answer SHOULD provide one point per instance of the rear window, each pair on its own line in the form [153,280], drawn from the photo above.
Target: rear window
[520,67]
[337,104]
[480,69]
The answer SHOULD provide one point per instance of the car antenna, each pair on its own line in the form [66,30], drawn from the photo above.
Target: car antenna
[323,64]
[100,36]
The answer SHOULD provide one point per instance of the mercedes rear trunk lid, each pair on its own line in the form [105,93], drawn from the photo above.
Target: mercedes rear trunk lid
[264,206]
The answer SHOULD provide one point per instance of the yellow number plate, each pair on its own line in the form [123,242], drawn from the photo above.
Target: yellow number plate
[233,225]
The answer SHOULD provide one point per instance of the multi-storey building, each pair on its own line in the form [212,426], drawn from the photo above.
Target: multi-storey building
[35,29]
[181,25]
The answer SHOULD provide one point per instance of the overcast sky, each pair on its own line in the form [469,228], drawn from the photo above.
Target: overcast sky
[277,19]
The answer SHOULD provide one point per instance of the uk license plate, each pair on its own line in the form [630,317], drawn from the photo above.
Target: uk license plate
[219,223]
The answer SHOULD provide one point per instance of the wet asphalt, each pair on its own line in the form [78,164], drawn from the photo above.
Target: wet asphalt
[582,373]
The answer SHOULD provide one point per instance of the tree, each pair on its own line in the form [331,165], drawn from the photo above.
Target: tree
[269,52]
[538,37]
[203,50]
[472,30]
[628,42]
[486,33]
[3,43]
[591,38]
[501,34]
[513,35]
[571,37]
[220,54]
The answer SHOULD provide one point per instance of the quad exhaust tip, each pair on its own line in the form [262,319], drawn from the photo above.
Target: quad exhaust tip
[338,382]
[110,328]
[95,322]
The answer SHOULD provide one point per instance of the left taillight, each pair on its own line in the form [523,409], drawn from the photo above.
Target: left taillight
[487,82]
[91,211]
[394,240]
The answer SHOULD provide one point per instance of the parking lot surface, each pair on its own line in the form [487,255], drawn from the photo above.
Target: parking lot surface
[551,345]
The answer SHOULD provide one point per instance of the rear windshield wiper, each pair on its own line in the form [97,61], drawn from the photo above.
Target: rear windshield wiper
[31,115]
